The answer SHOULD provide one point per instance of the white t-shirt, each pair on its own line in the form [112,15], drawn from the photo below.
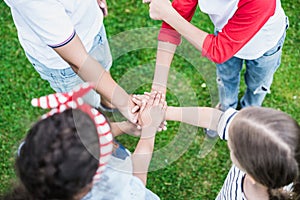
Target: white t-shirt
[44,24]
[221,11]
[118,183]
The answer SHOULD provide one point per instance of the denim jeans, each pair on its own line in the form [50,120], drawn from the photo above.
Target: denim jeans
[258,77]
[64,80]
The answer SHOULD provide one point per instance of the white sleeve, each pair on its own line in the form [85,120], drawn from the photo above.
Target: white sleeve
[224,123]
[48,19]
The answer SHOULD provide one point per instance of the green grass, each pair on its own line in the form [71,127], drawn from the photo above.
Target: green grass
[184,173]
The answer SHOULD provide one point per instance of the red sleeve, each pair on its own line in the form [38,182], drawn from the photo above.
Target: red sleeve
[186,8]
[250,16]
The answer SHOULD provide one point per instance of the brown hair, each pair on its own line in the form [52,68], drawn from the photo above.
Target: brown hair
[266,143]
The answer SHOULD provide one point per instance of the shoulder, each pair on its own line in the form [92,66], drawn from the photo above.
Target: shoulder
[254,6]
[225,121]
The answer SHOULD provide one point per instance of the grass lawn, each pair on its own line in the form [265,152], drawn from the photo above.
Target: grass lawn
[185,165]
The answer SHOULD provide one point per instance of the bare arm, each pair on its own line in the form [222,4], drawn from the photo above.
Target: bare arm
[151,118]
[119,128]
[205,117]
[164,57]
[163,10]
[90,70]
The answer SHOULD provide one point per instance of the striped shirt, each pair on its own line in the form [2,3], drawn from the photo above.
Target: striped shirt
[233,186]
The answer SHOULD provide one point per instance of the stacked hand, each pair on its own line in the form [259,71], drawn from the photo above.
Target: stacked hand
[151,109]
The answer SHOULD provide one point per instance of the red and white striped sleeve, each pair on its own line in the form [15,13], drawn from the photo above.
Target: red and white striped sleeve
[248,19]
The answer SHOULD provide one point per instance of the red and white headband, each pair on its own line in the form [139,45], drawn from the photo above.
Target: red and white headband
[59,102]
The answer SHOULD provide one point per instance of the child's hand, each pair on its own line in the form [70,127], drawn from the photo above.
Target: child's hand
[154,111]
[159,8]
[141,101]
[103,6]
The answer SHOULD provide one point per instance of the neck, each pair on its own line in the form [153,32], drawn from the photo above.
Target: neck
[254,190]
[83,192]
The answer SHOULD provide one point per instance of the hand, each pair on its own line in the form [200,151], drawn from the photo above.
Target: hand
[129,128]
[154,112]
[158,88]
[158,9]
[141,102]
[103,6]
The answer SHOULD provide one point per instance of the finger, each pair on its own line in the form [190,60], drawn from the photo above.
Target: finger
[163,96]
[146,1]
[157,99]
[135,109]
[164,128]
[135,119]
[165,105]
[151,98]
[143,106]
[136,101]
[138,96]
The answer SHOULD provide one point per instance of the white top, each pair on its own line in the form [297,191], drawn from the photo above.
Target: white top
[220,11]
[44,24]
[118,183]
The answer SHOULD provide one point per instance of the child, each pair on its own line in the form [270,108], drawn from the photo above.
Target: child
[264,147]
[60,157]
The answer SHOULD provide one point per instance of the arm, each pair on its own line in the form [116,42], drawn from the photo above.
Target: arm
[164,57]
[54,27]
[245,23]
[197,116]
[90,70]
[119,128]
[205,117]
[168,39]
[151,118]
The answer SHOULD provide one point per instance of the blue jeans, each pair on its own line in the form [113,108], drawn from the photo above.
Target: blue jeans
[64,80]
[258,78]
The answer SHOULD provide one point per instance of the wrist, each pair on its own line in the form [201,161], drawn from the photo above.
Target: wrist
[148,132]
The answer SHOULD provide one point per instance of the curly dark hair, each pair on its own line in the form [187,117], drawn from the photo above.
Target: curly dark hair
[54,162]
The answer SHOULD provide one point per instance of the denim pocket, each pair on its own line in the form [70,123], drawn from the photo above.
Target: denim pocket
[273,50]
[279,45]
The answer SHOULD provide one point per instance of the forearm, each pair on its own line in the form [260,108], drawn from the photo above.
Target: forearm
[143,153]
[117,128]
[91,70]
[164,57]
[205,117]
[193,34]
